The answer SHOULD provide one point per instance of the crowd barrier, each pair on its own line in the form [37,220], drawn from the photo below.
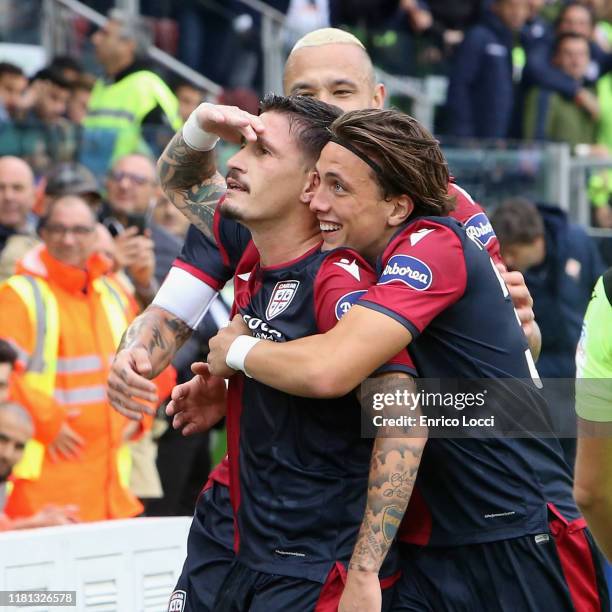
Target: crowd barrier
[114,566]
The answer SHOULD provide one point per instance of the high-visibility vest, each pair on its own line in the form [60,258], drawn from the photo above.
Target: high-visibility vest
[112,127]
[43,314]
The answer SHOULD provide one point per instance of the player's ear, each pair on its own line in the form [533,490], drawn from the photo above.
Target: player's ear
[402,207]
[312,182]
[380,93]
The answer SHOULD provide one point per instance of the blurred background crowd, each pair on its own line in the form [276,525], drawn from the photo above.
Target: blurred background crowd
[518,91]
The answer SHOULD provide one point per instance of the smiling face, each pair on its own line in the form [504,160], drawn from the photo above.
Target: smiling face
[349,204]
[340,74]
[265,177]
[572,57]
[69,231]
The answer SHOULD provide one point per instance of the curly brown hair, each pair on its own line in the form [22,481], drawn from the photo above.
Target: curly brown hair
[407,158]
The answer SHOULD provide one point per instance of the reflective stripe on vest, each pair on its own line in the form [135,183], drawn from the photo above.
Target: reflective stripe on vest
[41,367]
[113,125]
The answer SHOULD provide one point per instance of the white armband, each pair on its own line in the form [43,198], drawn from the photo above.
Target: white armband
[185,296]
[238,351]
[195,137]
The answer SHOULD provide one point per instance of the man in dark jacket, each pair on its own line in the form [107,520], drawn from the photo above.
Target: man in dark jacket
[481,88]
[561,265]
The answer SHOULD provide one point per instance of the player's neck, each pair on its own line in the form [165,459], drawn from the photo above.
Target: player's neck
[277,246]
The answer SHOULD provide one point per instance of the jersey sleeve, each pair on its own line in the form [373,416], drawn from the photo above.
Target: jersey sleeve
[214,261]
[342,280]
[476,221]
[424,273]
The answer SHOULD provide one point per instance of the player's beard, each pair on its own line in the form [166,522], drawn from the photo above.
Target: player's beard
[229,211]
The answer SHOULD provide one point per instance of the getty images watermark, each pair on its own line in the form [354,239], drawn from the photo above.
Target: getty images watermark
[471,408]
[418,405]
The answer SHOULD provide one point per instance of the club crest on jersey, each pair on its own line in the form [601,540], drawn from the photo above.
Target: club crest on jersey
[408,270]
[177,601]
[344,304]
[478,227]
[282,296]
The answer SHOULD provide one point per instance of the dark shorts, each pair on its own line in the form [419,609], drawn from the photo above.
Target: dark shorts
[210,553]
[247,589]
[558,571]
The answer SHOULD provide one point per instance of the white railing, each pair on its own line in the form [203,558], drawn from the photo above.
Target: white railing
[114,566]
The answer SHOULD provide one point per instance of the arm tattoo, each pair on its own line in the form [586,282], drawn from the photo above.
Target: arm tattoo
[393,471]
[190,180]
[160,333]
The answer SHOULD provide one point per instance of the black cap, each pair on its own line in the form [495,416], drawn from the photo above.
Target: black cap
[70,178]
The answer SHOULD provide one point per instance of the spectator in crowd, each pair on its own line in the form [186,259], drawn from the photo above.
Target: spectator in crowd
[168,216]
[448,21]
[16,429]
[80,92]
[540,71]
[550,116]
[48,94]
[71,178]
[481,86]
[13,83]
[189,97]
[69,67]
[132,191]
[57,138]
[593,484]
[130,97]
[84,312]
[17,226]
[561,264]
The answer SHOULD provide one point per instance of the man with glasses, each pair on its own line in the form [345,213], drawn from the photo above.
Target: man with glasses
[64,315]
[132,192]
[145,249]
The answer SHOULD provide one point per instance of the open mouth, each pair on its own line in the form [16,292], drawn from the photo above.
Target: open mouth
[326,227]
[234,185]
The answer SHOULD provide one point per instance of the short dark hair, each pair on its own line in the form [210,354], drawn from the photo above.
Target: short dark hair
[178,81]
[53,75]
[8,68]
[7,353]
[309,120]
[571,5]
[409,158]
[66,62]
[517,221]
[561,38]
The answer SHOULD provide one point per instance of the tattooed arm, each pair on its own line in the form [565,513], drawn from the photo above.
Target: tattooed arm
[147,347]
[189,177]
[393,470]
[191,181]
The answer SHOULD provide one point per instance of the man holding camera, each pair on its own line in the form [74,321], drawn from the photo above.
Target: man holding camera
[144,248]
